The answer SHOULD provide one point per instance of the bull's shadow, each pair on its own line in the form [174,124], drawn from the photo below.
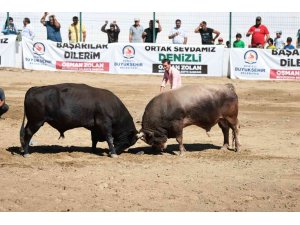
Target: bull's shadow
[54,149]
[173,148]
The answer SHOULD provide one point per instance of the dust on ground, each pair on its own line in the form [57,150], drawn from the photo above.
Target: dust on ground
[63,175]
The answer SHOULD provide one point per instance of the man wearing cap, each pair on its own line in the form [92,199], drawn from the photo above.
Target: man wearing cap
[136,32]
[278,41]
[260,34]
[112,33]
[207,33]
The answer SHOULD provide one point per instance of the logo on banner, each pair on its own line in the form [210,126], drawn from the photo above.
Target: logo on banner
[251,57]
[128,52]
[39,48]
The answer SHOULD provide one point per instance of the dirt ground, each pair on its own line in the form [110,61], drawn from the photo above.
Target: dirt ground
[63,175]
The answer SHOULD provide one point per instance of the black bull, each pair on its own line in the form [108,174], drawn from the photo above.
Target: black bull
[68,106]
[167,114]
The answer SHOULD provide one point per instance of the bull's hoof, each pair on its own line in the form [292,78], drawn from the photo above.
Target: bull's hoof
[26,155]
[113,155]
[224,147]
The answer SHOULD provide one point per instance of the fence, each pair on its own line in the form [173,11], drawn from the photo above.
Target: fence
[288,23]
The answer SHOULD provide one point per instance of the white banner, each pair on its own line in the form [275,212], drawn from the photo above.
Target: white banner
[204,60]
[133,58]
[265,64]
[49,55]
[8,51]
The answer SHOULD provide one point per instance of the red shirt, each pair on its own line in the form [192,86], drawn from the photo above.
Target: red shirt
[258,36]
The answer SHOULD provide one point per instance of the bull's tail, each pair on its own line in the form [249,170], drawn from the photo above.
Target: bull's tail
[22,131]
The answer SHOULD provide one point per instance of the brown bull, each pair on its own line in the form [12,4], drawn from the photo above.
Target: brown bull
[167,114]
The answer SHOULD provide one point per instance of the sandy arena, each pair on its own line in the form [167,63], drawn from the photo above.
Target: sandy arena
[63,175]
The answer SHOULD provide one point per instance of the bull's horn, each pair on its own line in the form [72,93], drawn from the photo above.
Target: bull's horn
[140,135]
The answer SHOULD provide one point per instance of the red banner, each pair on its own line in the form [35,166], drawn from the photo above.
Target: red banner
[285,74]
[83,66]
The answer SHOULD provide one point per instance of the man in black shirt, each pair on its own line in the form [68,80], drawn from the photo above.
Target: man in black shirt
[3,107]
[207,33]
[112,33]
[148,33]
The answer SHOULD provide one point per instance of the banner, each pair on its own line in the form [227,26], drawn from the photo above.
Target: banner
[117,58]
[265,64]
[49,55]
[8,51]
[134,58]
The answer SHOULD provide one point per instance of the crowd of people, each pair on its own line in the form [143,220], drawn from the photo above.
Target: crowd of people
[260,36]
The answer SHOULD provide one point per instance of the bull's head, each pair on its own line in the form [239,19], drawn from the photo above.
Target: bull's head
[153,138]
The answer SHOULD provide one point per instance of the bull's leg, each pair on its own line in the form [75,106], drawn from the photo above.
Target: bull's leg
[94,140]
[179,139]
[234,125]
[225,129]
[30,130]
[112,149]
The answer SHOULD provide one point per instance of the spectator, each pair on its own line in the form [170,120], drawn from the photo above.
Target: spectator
[27,29]
[207,33]
[279,42]
[260,34]
[148,32]
[171,74]
[136,32]
[220,41]
[3,106]
[289,44]
[9,27]
[53,28]
[271,44]
[177,34]
[112,32]
[74,31]
[227,44]
[298,39]
[238,43]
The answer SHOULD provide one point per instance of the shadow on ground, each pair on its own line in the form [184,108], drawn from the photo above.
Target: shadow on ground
[54,149]
[173,148]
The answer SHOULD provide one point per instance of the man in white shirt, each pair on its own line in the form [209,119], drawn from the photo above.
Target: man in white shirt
[27,29]
[278,41]
[177,34]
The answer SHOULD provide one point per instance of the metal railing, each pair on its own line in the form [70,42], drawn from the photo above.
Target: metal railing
[226,22]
